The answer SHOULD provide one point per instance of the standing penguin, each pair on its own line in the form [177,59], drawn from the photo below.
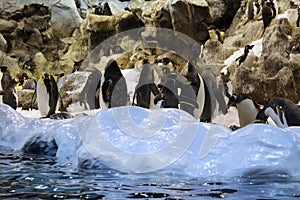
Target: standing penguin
[10,96]
[145,87]
[247,108]
[268,13]
[253,9]
[114,87]
[243,57]
[189,99]
[298,20]
[47,95]
[6,77]
[282,111]
[90,93]
[8,88]
[168,90]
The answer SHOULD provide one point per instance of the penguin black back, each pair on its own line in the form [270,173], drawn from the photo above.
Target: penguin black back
[114,87]
[89,95]
[282,106]
[6,77]
[10,94]
[52,90]
[145,87]
[267,14]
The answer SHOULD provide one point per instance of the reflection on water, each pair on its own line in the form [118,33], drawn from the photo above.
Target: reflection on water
[29,176]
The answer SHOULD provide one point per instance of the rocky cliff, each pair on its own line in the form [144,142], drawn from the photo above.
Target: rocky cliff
[61,36]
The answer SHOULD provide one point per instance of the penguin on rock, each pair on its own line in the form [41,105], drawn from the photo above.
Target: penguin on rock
[248,57]
[47,95]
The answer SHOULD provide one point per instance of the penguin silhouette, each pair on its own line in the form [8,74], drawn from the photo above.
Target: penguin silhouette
[114,87]
[9,91]
[268,13]
[10,96]
[168,89]
[145,86]
[89,95]
[298,20]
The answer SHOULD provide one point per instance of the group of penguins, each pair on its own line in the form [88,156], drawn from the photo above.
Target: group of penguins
[264,7]
[195,92]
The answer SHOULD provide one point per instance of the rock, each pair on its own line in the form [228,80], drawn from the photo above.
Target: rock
[70,87]
[281,85]
[37,22]
[24,96]
[189,17]
[12,64]
[102,23]
[276,38]
[274,63]
[64,18]
[3,43]
[127,21]
[214,52]
[7,26]
[245,35]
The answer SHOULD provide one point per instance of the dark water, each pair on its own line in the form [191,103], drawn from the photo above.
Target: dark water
[40,177]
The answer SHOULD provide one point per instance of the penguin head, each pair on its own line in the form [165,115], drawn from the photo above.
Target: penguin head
[112,69]
[236,99]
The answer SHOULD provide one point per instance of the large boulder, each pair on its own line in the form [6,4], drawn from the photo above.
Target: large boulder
[64,18]
[189,17]
[276,38]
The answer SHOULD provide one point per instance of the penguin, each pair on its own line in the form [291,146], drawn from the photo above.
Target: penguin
[189,100]
[168,93]
[247,108]
[145,87]
[2,68]
[282,111]
[47,95]
[6,77]
[8,88]
[214,97]
[253,9]
[113,92]
[243,57]
[89,95]
[25,82]
[268,14]
[10,96]
[298,19]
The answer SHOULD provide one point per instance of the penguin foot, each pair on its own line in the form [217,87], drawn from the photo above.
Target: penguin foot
[234,127]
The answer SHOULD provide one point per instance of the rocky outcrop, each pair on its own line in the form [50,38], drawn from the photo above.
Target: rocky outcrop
[191,17]
[276,72]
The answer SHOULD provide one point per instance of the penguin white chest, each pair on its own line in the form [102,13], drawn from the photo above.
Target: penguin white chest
[42,98]
[246,111]
[249,60]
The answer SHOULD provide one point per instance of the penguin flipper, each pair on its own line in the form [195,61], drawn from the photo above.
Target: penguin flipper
[53,97]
